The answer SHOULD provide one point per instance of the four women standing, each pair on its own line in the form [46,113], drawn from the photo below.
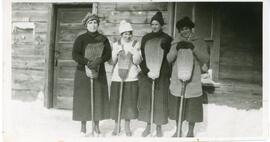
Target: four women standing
[136,88]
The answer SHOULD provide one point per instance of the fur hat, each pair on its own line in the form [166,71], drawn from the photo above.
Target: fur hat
[88,17]
[158,17]
[184,22]
[124,27]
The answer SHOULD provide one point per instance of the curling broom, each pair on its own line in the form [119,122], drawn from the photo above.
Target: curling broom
[92,51]
[154,56]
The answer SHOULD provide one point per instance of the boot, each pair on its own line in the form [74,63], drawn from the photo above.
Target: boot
[191,129]
[127,128]
[146,131]
[175,134]
[83,127]
[97,130]
[159,131]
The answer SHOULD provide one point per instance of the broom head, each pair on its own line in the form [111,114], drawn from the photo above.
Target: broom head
[93,51]
[185,64]
[154,55]
[124,62]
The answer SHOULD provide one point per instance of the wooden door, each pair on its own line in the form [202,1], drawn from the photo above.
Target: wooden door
[68,27]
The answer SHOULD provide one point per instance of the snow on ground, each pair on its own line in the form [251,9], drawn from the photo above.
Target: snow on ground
[30,121]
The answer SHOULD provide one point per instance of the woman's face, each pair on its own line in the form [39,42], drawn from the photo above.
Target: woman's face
[127,36]
[92,26]
[155,25]
[185,32]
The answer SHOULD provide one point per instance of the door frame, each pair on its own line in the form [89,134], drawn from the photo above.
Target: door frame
[50,49]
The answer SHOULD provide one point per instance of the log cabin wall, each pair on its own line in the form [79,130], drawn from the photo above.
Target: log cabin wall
[29,44]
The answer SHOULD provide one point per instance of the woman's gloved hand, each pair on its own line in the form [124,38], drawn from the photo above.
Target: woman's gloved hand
[152,75]
[95,63]
[184,45]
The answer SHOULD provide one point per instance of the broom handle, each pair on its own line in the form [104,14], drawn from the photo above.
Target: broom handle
[152,107]
[119,107]
[180,113]
[92,104]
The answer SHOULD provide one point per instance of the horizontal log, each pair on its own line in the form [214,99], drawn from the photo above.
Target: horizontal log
[41,27]
[30,6]
[30,15]
[76,26]
[106,6]
[73,15]
[28,62]
[145,6]
[24,95]
[22,38]
[138,29]
[142,17]
[27,79]
[28,51]
[28,84]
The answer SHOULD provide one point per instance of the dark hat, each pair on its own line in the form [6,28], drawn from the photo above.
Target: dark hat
[184,22]
[158,17]
[88,17]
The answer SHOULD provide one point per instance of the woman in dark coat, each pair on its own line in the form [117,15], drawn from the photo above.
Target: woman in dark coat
[82,97]
[162,82]
[193,109]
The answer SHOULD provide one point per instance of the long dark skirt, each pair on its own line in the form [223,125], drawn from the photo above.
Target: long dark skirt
[193,108]
[160,103]
[129,100]
[82,98]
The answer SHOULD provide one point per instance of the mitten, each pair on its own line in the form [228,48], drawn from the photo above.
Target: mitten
[95,63]
[184,45]
[152,75]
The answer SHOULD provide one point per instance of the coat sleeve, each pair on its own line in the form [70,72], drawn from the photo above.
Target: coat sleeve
[201,51]
[166,44]
[143,66]
[106,55]
[137,58]
[171,56]
[77,52]
[114,53]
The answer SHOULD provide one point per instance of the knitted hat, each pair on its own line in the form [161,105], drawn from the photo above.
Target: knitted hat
[184,22]
[158,17]
[89,17]
[124,27]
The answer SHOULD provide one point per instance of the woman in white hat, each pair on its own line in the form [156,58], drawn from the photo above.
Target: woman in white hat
[130,90]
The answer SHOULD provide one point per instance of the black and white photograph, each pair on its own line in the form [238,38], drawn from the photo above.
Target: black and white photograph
[134,71]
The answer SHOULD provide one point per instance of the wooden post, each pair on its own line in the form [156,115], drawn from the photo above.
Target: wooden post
[215,51]
[49,59]
[171,14]
[95,8]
